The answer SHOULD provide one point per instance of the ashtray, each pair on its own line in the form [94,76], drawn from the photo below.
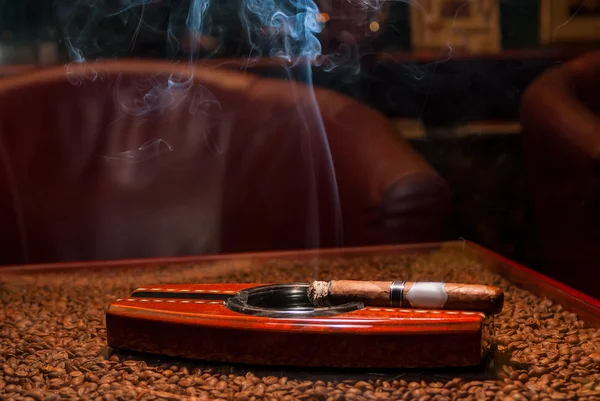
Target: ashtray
[276,324]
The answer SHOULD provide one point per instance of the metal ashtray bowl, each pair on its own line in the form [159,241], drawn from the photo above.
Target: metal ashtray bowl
[283,300]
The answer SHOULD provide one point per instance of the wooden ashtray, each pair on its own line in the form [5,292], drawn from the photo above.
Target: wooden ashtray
[278,325]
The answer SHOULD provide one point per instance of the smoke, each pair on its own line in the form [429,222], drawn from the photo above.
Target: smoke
[291,30]
[188,32]
[287,28]
[150,149]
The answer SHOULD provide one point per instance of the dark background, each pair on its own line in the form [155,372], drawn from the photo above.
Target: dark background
[485,172]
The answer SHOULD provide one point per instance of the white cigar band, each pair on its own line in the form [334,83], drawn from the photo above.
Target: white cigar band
[427,295]
[421,295]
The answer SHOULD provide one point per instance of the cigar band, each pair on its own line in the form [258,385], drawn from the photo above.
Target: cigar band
[397,293]
[427,295]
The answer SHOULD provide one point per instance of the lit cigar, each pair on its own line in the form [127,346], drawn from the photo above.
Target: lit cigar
[409,294]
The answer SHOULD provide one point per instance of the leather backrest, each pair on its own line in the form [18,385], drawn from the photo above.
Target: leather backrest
[130,159]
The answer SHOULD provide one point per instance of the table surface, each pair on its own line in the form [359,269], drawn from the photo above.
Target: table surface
[534,281]
[53,334]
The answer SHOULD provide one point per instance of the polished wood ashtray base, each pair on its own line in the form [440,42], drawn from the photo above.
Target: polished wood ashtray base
[276,325]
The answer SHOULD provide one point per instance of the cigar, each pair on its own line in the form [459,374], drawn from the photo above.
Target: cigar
[408,294]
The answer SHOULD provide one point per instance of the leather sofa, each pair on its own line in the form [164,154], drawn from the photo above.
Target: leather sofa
[560,115]
[137,159]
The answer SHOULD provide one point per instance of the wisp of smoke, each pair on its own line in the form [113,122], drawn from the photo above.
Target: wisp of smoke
[287,28]
[284,29]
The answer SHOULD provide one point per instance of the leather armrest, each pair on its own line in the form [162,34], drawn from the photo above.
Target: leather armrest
[561,137]
[561,107]
[382,179]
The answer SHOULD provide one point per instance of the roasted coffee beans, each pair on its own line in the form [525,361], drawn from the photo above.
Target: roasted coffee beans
[53,337]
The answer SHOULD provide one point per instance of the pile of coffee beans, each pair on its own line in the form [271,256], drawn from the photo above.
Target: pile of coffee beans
[53,340]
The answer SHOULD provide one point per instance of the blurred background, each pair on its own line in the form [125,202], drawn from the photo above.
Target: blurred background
[448,75]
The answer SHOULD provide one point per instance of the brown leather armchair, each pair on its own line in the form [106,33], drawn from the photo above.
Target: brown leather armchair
[116,160]
[560,116]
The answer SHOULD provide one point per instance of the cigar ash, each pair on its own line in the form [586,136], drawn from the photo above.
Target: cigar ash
[318,292]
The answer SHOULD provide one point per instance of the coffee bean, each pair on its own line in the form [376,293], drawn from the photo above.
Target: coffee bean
[185,383]
[538,371]
[363,385]
[91,377]
[564,350]
[57,372]
[77,380]
[56,383]
[595,357]
[572,339]
[36,394]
